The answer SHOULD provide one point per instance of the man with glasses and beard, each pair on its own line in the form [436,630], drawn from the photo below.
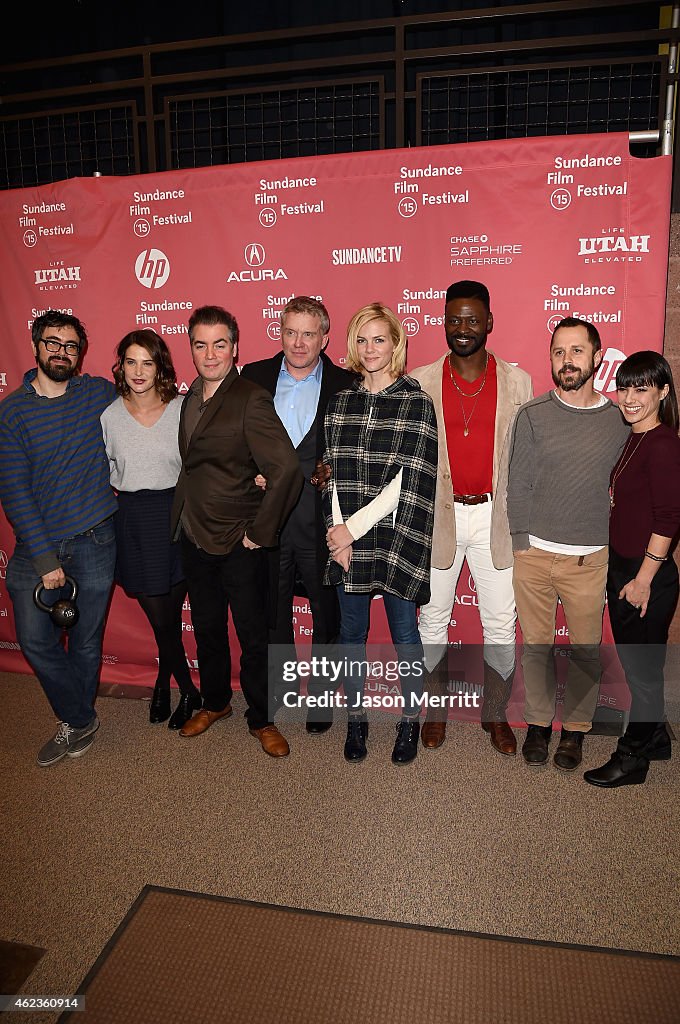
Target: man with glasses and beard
[55,491]
[562,450]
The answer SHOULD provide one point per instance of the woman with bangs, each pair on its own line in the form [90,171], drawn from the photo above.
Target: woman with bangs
[381,447]
[140,433]
[642,581]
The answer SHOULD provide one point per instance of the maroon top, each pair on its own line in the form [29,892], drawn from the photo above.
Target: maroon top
[646,491]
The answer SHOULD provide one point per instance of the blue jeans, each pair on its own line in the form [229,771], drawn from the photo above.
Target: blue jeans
[355,617]
[68,675]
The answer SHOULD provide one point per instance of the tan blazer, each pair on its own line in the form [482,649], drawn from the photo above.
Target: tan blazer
[514,388]
[238,436]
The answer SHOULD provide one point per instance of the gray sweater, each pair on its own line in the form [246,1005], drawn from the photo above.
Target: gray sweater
[560,461]
[142,458]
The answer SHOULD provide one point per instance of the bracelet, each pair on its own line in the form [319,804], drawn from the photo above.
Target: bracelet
[655,558]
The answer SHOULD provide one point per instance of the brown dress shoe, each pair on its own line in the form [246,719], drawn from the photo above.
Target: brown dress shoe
[202,720]
[433,734]
[502,737]
[273,743]
[569,754]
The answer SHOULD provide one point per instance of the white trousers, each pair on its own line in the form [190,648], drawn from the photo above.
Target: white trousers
[495,595]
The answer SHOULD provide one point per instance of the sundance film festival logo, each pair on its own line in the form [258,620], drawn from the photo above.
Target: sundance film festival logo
[152,268]
[254,255]
[605,378]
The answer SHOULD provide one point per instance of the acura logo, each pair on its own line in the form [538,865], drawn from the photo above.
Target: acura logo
[254,254]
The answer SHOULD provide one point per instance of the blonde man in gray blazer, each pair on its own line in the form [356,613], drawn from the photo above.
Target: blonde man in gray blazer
[476,396]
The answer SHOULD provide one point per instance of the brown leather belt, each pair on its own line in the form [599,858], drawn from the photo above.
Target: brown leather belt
[471,499]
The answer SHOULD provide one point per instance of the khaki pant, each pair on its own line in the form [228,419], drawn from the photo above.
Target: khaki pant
[540,578]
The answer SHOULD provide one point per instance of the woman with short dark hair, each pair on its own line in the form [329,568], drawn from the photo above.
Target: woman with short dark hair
[642,580]
[140,433]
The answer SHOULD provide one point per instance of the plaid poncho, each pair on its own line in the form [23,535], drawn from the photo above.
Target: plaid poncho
[369,438]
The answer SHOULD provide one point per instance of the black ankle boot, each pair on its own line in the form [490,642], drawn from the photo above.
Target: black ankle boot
[159,709]
[355,744]
[620,770]
[188,703]
[406,744]
[658,747]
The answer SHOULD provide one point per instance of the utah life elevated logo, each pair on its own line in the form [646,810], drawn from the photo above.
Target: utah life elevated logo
[614,247]
[57,277]
[254,255]
[152,268]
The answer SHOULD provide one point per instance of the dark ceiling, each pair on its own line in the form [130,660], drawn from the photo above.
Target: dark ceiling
[65,27]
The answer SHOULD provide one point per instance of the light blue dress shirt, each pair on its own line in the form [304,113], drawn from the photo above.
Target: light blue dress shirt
[296,401]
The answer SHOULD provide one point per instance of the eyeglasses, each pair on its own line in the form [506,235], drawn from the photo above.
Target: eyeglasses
[71,348]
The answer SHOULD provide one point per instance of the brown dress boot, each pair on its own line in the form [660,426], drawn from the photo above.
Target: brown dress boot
[496,695]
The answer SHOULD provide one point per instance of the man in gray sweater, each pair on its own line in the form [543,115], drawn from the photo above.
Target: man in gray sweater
[563,447]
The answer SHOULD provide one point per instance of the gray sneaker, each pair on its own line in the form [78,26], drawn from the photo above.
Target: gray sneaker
[67,740]
[81,747]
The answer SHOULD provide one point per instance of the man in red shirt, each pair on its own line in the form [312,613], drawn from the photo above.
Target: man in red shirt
[476,396]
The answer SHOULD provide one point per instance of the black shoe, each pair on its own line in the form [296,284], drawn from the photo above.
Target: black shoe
[188,703]
[568,755]
[659,746]
[406,744]
[355,744]
[159,709]
[620,770]
[316,725]
[535,747]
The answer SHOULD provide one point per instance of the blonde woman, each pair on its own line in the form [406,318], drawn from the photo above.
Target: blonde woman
[381,447]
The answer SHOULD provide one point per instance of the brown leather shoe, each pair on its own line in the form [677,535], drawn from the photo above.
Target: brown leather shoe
[569,753]
[433,734]
[202,720]
[273,743]
[502,737]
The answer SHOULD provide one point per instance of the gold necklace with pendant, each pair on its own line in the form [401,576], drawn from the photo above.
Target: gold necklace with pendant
[620,466]
[462,394]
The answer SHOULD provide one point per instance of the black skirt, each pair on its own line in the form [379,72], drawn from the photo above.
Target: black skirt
[147,561]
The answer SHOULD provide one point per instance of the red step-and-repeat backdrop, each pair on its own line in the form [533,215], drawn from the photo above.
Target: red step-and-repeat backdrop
[553,226]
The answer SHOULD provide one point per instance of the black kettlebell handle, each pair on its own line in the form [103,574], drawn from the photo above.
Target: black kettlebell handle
[63,612]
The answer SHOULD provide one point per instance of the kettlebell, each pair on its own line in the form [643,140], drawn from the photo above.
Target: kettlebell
[63,612]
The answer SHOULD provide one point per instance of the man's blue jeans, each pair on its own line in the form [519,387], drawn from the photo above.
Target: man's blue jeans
[355,613]
[68,675]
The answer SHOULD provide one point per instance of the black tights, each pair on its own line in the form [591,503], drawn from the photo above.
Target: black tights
[164,612]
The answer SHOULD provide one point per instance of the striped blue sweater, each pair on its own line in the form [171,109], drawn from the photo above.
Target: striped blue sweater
[54,472]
